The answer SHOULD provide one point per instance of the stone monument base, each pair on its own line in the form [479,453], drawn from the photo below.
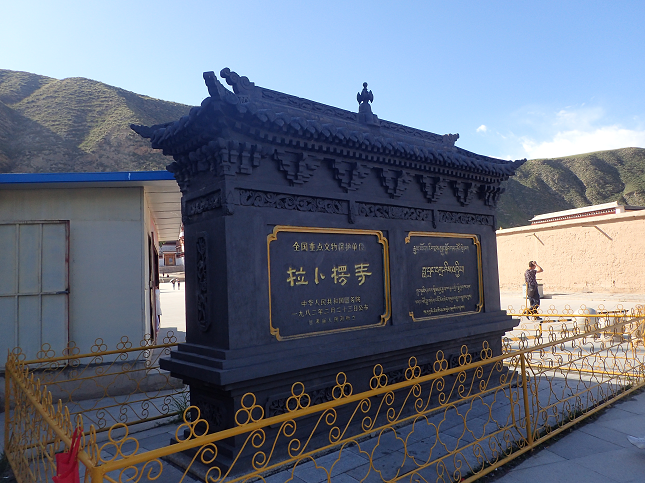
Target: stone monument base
[219,380]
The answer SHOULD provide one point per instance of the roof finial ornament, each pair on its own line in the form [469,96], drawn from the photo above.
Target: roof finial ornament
[365,96]
[364,109]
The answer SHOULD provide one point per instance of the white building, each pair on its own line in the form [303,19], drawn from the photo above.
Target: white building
[171,254]
[78,256]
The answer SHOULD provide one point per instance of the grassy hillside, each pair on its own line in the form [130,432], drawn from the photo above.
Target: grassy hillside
[546,185]
[76,124]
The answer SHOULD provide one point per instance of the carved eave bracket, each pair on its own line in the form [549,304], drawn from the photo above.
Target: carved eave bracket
[234,157]
[227,157]
[222,156]
[177,168]
[395,181]
[350,174]
[491,195]
[465,191]
[297,166]
[432,187]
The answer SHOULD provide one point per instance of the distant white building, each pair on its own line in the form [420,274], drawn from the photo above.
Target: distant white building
[171,254]
[612,208]
[79,258]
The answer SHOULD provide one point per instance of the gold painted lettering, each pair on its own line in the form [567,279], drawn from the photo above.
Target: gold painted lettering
[296,277]
[318,274]
[361,272]
[339,274]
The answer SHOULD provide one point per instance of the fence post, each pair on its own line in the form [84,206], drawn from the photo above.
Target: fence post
[525,393]
[96,475]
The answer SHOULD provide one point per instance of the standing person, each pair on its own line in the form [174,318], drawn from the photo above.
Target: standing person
[173,283]
[178,284]
[532,288]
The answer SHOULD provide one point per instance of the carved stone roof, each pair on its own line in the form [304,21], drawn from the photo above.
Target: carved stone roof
[275,118]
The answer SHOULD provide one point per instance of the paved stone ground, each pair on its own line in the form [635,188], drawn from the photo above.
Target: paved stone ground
[597,451]
[575,301]
[589,453]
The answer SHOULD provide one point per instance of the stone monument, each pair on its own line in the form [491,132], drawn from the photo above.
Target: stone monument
[320,240]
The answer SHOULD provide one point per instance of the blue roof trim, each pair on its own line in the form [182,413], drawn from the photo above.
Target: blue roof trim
[15,178]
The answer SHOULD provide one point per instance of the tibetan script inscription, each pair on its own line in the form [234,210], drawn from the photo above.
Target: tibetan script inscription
[445,275]
[327,280]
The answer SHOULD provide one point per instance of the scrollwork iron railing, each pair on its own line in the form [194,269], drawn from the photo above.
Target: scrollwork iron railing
[454,424]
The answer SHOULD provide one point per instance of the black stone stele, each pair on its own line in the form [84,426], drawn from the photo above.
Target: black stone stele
[320,240]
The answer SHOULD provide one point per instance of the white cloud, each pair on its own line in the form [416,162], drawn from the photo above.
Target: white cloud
[575,130]
[482,128]
[581,118]
[579,141]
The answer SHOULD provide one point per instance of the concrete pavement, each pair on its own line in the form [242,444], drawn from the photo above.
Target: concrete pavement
[173,306]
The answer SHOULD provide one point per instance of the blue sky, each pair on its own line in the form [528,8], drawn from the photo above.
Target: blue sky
[515,79]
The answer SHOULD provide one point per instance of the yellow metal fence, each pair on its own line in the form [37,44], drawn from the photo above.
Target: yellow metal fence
[443,424]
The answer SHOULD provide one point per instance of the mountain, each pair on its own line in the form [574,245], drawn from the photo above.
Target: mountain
[547,185]
[76,124]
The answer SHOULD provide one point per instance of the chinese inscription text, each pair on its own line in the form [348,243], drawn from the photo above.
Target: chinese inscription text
[327,280]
